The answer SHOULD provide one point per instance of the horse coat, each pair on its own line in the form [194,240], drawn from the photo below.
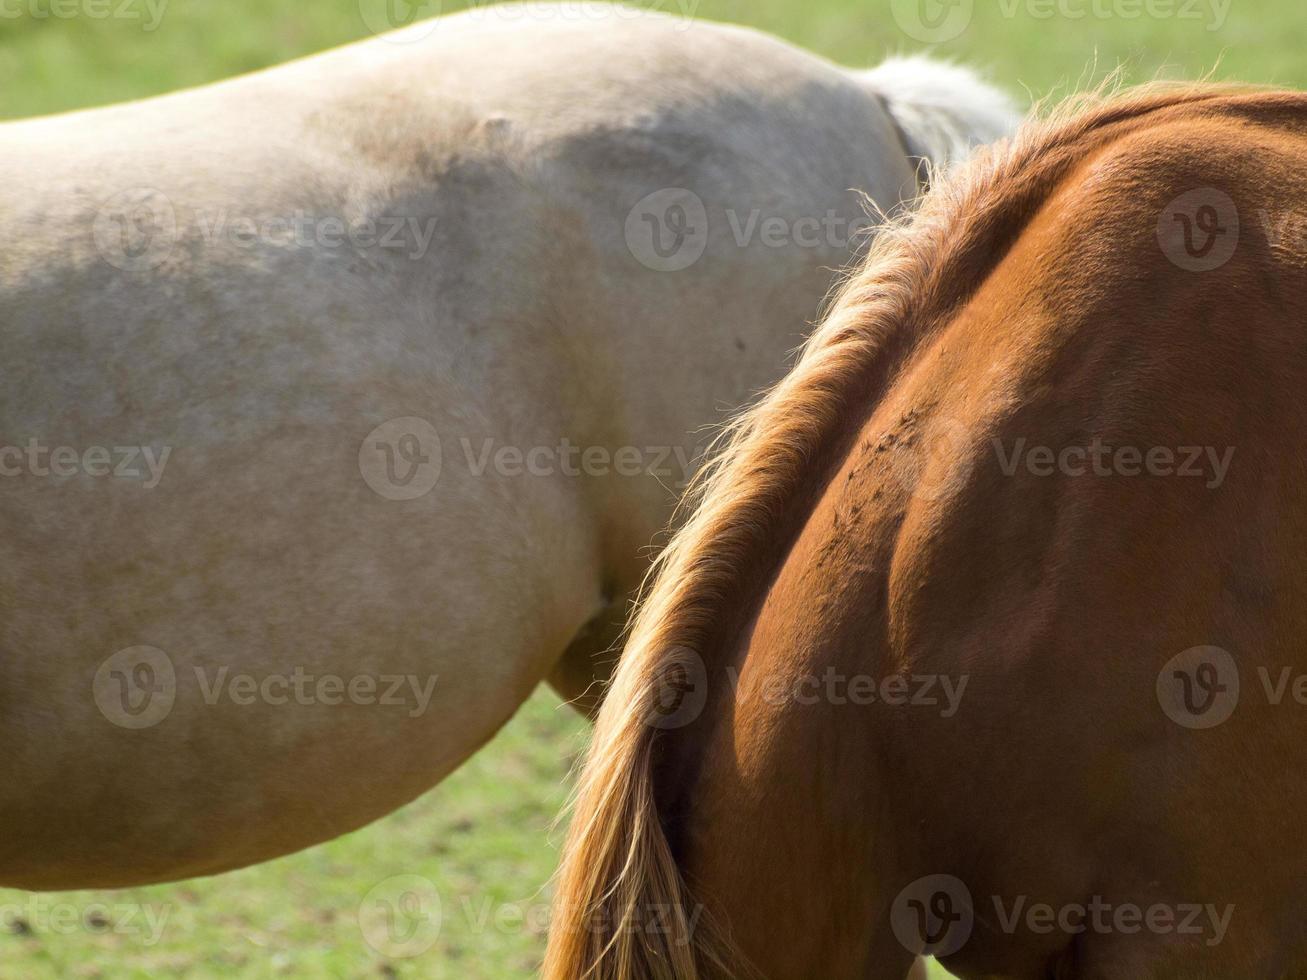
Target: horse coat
[398,356]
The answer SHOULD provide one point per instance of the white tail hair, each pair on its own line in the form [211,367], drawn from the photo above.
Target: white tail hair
[942,110]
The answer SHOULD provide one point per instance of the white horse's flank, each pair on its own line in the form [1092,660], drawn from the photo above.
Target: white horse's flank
[310,641]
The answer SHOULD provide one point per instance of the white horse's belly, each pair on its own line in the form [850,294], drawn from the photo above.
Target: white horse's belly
[261,567]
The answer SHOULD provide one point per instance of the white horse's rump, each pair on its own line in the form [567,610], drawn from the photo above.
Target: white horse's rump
[429,333]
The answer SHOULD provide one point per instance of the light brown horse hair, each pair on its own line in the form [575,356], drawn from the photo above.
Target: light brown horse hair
[747,507]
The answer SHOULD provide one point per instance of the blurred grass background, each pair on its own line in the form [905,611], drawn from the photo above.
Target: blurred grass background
[49,64]
[483,838]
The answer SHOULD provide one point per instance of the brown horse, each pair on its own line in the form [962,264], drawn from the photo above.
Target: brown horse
[947,657]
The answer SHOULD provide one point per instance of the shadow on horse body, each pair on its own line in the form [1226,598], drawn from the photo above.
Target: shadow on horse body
[979,640]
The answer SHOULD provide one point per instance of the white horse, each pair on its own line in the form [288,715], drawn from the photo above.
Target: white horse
[340,400]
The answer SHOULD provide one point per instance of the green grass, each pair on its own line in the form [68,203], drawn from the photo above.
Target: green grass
[482,839]
[52,64]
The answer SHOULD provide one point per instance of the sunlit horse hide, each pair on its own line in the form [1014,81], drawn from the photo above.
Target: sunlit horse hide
[343,398]
[1036,483]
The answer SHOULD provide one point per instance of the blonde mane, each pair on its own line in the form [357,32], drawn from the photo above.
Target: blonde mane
[921,267]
